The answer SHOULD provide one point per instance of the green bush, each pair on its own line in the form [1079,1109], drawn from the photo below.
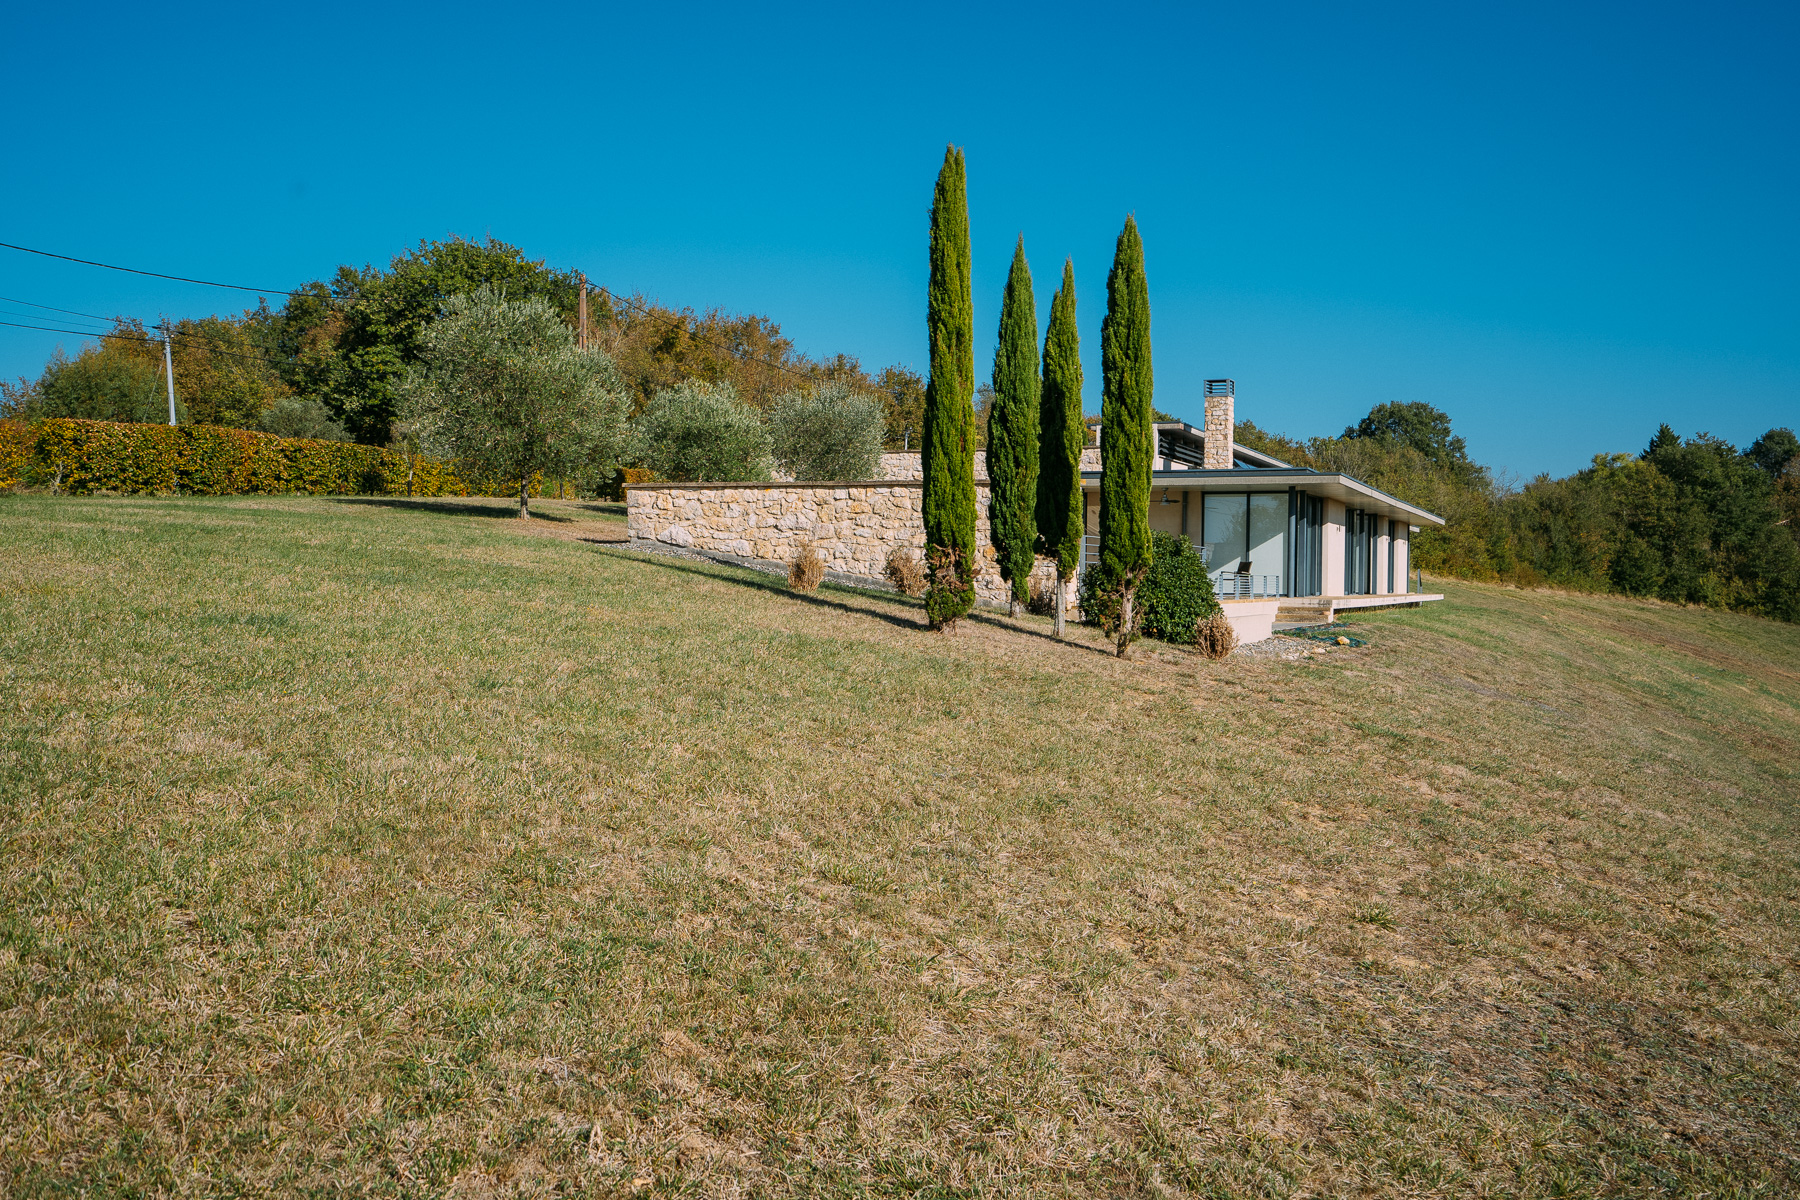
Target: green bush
[829,432]
[701,431]
[1176,595]
[301,417]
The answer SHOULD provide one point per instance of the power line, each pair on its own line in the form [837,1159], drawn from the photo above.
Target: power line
[212,346]
[71,312]
[646,310]
[88,262]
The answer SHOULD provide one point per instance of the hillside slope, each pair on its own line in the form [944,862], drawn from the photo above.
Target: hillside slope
[391,848]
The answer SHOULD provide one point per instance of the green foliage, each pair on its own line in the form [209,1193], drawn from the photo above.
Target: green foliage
[1176,594]
[357,337]
[1289,450]
[1693,522]
[827,432]
[1125,434]
[501,386]
[301,417]
[701,431]
[1012,441]
[1422,427]
[79,457]
[1775,450]
[105,383]
[902,395]
[1061,516]
[947,444]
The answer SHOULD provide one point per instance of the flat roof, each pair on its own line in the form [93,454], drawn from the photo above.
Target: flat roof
[1346,488]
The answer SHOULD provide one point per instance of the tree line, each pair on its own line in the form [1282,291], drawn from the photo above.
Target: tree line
[1690,520]
[329,362]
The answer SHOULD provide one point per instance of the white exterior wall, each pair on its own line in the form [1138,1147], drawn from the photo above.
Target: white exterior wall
[1381,560]
[1331,550]
[1403,561]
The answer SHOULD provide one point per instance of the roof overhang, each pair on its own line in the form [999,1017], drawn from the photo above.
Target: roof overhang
[1348,489]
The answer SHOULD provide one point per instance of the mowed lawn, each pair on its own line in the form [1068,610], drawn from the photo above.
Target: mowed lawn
[364,847]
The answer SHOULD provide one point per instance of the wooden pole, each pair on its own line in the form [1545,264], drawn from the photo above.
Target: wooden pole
[584,335]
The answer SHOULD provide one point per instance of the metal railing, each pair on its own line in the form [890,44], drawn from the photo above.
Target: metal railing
[1242,585]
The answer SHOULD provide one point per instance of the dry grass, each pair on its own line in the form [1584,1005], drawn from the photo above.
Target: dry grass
[394,850]
[906,573]
[1215,638]
[807,571]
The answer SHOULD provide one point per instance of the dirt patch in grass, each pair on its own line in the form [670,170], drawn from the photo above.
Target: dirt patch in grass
[402,850]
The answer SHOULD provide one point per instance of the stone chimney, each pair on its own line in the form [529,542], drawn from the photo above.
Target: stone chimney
[1221,431]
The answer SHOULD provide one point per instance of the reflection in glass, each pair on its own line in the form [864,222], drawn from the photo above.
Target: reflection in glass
[1225,531]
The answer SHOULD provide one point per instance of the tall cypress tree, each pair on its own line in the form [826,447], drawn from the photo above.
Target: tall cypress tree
[1125,433]
[947,442]
[1061,508]
[1012,441]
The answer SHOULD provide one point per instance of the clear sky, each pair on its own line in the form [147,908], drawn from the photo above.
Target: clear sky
[1562,223]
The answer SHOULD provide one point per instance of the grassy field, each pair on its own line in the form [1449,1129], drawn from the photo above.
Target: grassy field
[373,847]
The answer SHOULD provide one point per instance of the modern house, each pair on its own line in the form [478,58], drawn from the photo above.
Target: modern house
[1279,540]
[1317,542]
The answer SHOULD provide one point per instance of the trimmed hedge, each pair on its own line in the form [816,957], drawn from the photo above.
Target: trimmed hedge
[209,460]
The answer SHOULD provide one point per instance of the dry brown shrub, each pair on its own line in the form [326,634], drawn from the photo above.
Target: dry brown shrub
[807,571]
[906,572]
[1042,601]
[1214,636]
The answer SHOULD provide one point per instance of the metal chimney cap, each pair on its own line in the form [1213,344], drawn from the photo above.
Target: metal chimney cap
[1220,387]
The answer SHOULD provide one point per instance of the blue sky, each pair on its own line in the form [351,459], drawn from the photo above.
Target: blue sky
[1562,224]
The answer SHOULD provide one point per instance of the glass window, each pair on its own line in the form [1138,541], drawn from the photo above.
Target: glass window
[1268,538]
[1226,531]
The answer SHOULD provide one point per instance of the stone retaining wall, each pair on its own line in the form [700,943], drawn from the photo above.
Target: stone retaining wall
[853,525]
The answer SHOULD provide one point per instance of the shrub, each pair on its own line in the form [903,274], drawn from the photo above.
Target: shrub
[906,573]
[1042,601]
[16,442]
[1176,595]
[949,587]
[108,383]
[807,571]
[829,432]
[1098,598]
[301,417]
[1214,637]
[698,431]
[209,460]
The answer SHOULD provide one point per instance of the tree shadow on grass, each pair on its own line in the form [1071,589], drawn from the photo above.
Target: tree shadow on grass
[455,508]
[751,577]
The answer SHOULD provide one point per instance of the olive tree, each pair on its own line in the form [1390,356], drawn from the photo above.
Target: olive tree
[701,431]
[828,432]
[502,387]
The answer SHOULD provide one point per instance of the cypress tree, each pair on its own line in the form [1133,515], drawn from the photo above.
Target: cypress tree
[947,442]
[1061,509]
[1012,441]
[1125,433]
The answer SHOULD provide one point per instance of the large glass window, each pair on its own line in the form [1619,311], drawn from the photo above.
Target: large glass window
[1242,528]
[1227,531]
[1268,537]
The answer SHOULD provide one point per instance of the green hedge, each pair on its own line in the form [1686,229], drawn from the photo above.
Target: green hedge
[82,457]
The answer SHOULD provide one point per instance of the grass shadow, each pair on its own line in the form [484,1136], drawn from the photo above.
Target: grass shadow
[449,507]
[753,578]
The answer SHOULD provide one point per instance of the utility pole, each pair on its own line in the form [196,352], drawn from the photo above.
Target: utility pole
[583,342]
[169,368]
